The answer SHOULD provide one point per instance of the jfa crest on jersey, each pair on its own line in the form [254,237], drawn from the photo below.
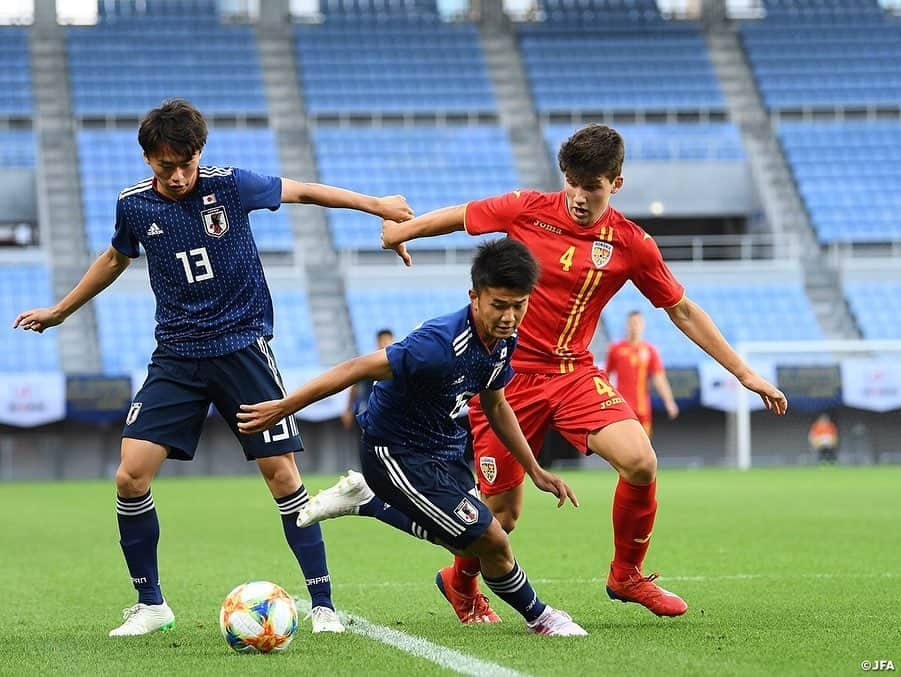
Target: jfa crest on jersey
[204,267]
[436,370]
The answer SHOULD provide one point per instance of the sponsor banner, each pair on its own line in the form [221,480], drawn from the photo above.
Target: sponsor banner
[32,398]
[97,399]
[686,385]
[812,387]
[874,385]
[719,387]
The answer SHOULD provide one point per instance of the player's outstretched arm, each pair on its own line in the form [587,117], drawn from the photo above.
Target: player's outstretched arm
[438,222]
[696,324]
[254,418]
[661,384]
[392,207]
[102,273]
[504,424]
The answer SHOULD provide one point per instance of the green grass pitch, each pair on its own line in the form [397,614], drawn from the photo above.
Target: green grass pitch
[786,571]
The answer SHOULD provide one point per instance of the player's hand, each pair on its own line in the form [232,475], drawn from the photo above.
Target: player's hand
[773,398]
[38,319]
[394,208]
[672,410]
[255,418]
[552,484]
[392,238]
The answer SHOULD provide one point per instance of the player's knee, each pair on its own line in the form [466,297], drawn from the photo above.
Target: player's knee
[507,518]
[129,484]
[640,467]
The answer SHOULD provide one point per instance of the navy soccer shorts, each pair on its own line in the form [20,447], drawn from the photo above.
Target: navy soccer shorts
[172,405]
[438,495]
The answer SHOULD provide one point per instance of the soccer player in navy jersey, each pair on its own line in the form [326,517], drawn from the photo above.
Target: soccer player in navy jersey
[412,446]
[214,322]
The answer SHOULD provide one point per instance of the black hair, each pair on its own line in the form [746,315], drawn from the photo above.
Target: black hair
[634,312]
[176,125]
[595,150]
[505,264]
[384,332]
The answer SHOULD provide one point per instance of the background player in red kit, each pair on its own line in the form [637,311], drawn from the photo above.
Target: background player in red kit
[634,361]
[587,251]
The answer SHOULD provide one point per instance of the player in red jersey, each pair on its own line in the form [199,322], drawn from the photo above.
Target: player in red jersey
[635,361]
[587,251]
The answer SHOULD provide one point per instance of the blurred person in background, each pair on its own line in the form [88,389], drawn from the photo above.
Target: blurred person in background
[358,395]
[823,438]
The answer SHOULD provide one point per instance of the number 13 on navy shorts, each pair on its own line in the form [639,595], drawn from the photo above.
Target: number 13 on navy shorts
[171,407]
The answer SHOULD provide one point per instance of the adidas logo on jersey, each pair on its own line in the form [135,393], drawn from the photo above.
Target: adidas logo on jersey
[154,229]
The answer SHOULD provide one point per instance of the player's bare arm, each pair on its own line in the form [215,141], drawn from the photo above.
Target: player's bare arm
[102,273]
[504,424]
[438,222]
[254,418]
[696,324]
[661,384]
[392,207]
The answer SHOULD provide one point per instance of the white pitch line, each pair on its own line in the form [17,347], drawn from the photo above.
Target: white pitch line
[700,579]
[417,646]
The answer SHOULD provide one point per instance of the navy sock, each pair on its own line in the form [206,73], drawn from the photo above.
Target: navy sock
[385,512]
[514,588]
[139,534]
[308,548]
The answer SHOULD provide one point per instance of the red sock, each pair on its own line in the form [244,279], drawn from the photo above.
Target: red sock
[466,575]
[634,508]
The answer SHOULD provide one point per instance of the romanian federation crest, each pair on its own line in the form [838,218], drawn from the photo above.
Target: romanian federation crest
[467,512]
[215,222]
[601,253]
[488,468]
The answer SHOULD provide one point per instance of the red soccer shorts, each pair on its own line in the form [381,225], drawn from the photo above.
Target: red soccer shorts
[574,404]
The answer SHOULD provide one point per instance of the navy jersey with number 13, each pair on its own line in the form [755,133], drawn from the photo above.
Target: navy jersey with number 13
[205,271]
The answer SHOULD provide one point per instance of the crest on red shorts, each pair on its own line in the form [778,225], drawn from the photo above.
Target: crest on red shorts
[488,468]
[601,253]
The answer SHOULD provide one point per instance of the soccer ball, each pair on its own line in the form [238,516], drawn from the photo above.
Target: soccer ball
[258,617]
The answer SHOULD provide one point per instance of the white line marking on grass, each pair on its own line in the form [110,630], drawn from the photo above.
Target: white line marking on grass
[417,646]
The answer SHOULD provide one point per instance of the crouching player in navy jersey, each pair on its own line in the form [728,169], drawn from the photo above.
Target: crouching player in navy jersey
[214,322]
[412,447]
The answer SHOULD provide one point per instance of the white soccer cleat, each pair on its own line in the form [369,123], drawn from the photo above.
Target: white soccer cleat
[142,619]
[325,620]
[555,622]
[345,498]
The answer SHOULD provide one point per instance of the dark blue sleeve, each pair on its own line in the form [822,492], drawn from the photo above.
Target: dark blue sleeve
[423,354]
[124,240]
[258,191]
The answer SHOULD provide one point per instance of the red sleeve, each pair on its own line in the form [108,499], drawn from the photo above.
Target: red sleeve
[495,214]
[655,366]
[651,275]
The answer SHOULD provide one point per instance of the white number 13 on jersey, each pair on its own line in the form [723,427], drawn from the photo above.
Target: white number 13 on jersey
[197,264]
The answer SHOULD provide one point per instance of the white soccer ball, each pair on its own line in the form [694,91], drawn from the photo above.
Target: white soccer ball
[258,617]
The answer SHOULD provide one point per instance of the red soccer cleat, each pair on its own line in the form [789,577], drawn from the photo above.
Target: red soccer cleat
[643,590]
[469,609]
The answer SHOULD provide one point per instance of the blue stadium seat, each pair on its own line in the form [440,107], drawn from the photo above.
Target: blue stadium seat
[743,312]
[432,166]
[17,149]
[876,305]
[849,175]
[648,63]
[402,61]
[25,287]
[16,97]
[799,54]
[111,160]
[115,69]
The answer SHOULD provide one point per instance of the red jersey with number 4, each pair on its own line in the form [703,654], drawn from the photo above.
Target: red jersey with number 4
[582,267]
[633,364]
